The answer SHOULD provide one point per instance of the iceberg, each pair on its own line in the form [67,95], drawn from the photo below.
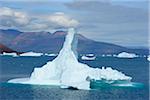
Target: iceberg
[88,57]
[13,54]
[31,54]
[52,54]
[90,54]
[126,55]
[65,70]
[103,55]
[148,58]
[114,55]
[144,56]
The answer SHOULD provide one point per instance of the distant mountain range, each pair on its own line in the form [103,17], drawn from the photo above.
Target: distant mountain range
[47,42]
[5,49]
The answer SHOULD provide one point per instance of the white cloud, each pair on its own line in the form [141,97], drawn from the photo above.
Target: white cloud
[63,20]
[12,18]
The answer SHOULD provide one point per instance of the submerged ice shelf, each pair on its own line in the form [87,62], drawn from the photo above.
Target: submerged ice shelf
[66,71]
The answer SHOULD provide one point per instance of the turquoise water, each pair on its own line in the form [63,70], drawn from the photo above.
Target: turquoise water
[16,67]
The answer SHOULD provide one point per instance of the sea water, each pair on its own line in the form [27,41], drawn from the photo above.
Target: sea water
[16,67]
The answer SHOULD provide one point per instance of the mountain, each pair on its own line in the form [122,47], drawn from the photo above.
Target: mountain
[6,36]
[3,48]
[52,43]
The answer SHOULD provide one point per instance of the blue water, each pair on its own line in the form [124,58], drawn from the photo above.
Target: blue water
[17,67]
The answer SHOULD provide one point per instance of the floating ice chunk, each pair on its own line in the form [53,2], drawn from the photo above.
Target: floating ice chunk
[10,54]
[126,55]
[144,56]
[91,55]
[114,55]
[88,58]
[108,55]
[103,55]
[52,54]
[31,54]
[66,71]
[148,58]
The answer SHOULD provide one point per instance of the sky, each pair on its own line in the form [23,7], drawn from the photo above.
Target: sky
[122,22]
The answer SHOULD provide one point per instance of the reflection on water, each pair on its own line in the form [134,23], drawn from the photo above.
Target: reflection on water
[35,92]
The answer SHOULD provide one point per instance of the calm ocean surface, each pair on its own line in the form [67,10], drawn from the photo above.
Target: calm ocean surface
[17,67]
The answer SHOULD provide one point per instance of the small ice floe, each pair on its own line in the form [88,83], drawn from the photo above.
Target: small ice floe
[31,54]
[52,54]
[126,55]
[144,56]
[114,55]
[108,55]
[13,54]
[148,58]
[88,57]
[103,55]
[90,54]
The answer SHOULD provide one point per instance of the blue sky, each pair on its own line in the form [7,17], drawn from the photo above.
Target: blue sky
[123,22]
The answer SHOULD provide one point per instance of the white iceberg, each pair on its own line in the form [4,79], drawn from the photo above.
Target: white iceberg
[31,54]
[13,54]
[126,55]
[91,55]
[103,55]
[144,56]
[108,55]
[88,58]
[52,54]
[114,55]
[66,71]
[148,58]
